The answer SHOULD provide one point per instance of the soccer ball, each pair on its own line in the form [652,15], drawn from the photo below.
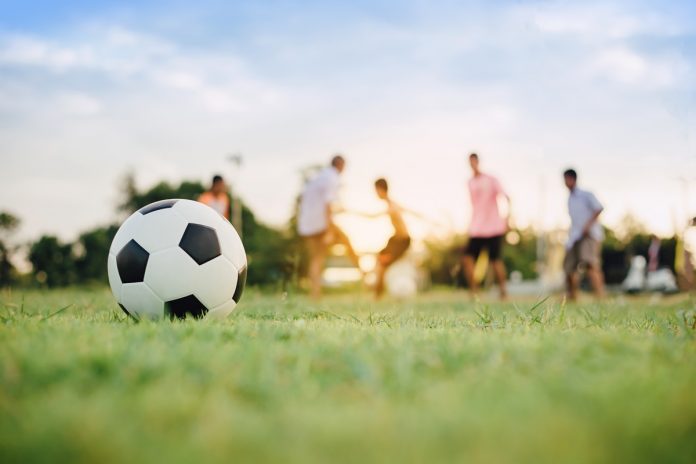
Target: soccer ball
[176,258]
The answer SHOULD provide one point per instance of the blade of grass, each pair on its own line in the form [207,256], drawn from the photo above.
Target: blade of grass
[57,312]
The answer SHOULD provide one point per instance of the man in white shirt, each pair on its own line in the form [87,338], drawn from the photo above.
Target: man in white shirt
[315,221]
[584,246]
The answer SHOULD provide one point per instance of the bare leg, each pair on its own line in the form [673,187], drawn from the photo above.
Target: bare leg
[316,267]
[379,284]
[342,238]
[468,265]
[383,263]
[501,277]
[597,280]
[572,286]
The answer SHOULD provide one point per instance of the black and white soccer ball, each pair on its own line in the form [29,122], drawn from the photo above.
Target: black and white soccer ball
[177,258]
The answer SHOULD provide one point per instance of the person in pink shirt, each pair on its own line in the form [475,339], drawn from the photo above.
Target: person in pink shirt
[487,228]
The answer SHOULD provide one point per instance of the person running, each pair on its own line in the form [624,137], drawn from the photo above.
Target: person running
[399,242]
[584,244]
[315,221]
[216,197]
[487,228]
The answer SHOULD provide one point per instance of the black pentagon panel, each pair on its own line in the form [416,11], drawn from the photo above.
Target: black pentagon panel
[200,243]
[180,307]
[241,282]
[156,206]
[131,262]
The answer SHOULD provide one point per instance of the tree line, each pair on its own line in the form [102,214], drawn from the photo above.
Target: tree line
[275,254]
[58,263]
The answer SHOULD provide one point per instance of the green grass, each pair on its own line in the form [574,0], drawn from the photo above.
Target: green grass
[437,379]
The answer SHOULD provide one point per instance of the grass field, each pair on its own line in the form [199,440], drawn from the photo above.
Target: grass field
[437,379]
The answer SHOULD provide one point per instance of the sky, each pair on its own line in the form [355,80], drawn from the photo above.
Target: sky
[90,90]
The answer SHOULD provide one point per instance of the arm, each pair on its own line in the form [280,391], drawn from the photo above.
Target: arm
[329,235]
[597,207]
[367,215]
[503,193]
[331,187]
[590,222]
[508,219]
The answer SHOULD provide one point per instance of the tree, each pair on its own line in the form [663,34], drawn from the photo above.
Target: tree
[52,261]
[90,252]
[443,261]
[8,224]
[522,255]
[629,227]
[269,251]
[133,199]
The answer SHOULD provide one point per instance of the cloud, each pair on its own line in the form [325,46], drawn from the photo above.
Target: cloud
[595,21]
[79,104]
[218,82]
[31,51]
[626,66]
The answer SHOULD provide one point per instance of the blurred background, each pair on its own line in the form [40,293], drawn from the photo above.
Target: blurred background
[106,106]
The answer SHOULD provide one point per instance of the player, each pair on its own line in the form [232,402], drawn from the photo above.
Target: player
[315,221]
[487,228]
[399,242]
[584,244]
[216,197]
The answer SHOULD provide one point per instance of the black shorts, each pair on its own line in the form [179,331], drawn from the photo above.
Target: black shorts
[492,244]
[396,247]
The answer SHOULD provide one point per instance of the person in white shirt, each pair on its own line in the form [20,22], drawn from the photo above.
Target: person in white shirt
[584,245]
[315,221]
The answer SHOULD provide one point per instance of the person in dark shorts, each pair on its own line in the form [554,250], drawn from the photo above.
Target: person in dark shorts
[493,245]
[487,228]
[398,244]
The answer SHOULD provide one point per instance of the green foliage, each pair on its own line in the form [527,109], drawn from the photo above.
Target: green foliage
[522,257]
[268,250]
[443,262]
[436,379]
[7,269]
[52,262]
[8,224]
[91,250]
[134,199]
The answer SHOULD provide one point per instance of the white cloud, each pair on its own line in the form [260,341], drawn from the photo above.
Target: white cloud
[219,83]
[79,104]
[626,66]
[30,51]
[592,21]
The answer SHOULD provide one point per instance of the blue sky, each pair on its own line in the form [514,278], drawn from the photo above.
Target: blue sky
[405,89]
